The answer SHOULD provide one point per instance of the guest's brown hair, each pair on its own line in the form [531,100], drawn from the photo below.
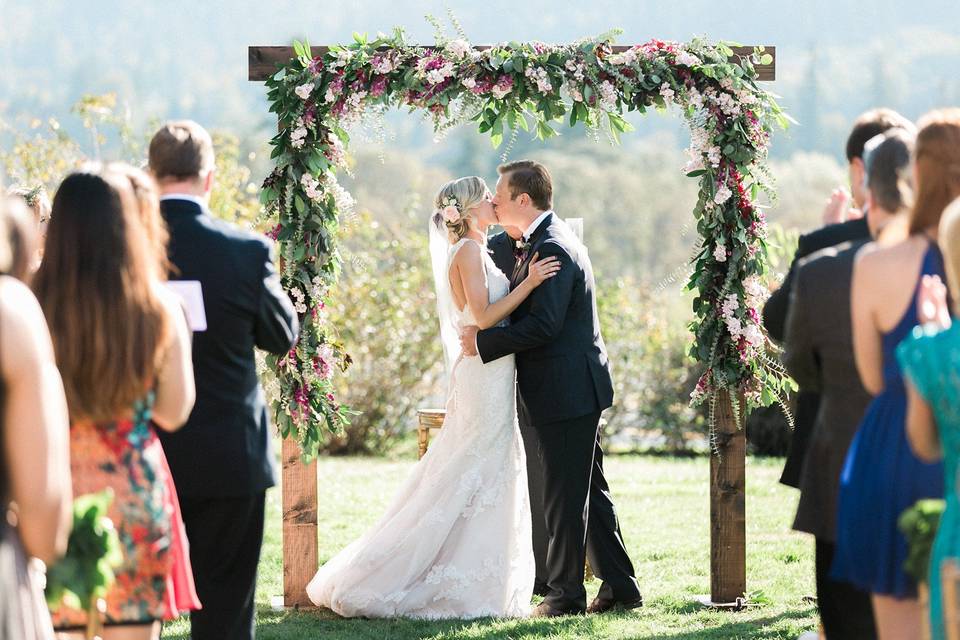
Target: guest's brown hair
[873,123]
[937,160]
[98,291]
[148,204]
[180,150]
[531,178]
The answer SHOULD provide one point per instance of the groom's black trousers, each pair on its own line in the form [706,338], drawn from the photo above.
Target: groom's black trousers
[580,517]
[225,536]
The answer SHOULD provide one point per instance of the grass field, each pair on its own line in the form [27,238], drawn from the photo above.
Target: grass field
[664,509]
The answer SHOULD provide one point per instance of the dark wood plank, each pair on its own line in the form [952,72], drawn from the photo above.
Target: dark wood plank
[299,487]
[262,61]
[728,536]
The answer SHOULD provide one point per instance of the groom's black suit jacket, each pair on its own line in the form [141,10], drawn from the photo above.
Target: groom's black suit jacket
[225,449]
[562,370]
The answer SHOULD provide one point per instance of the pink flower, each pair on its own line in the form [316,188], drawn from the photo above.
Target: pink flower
[274,233]
[379,86]
[451,214]
[503,87]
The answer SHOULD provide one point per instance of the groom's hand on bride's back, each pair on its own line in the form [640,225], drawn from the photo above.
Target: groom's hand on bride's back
[468,340]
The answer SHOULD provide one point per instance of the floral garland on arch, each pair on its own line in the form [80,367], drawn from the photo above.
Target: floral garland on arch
[506,89]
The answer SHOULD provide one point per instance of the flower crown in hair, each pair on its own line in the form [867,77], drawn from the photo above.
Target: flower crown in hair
[450,211]
[33,195]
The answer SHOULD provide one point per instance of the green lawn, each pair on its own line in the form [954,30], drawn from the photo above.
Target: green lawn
[664,511]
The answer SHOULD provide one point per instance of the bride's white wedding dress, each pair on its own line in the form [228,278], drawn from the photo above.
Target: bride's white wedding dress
[455,541]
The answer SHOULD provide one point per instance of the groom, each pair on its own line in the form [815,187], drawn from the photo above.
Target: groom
[564,385]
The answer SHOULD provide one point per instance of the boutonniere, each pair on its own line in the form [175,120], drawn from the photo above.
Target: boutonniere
[520,249]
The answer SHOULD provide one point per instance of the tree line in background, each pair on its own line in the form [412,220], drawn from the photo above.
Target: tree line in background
[636,206]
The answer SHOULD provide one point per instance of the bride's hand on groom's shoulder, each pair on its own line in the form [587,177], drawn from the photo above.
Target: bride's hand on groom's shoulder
[468,340]
[542,270]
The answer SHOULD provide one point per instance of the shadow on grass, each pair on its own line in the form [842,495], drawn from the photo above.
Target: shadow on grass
[325,625]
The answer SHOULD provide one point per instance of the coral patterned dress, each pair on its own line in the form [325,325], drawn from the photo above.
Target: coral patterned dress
[155,581]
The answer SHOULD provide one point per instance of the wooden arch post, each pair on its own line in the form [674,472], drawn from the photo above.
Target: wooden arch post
[727,472]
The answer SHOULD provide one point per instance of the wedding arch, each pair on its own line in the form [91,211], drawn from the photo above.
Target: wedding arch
[317,92]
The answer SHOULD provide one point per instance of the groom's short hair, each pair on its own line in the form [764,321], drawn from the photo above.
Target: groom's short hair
[531,178]
[180,150]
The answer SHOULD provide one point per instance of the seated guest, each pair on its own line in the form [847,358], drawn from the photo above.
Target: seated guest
[881,476]
[868,125]
[34,451]
[930,358]
[123,348]
[818,354]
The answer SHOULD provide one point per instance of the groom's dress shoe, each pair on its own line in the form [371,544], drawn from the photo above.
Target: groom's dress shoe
[544,610]
[602,605]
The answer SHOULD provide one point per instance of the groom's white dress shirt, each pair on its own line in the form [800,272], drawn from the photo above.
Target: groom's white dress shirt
[536,223]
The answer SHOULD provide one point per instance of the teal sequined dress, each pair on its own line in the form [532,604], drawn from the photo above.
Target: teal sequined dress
[931,361]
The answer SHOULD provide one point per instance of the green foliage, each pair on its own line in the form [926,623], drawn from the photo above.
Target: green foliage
[653,375]
[385,310]
[919,525]
[86,571]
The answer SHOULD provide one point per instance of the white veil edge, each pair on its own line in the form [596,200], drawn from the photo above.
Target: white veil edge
[446,311]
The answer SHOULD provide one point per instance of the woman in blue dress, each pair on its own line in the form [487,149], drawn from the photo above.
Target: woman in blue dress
[881,475]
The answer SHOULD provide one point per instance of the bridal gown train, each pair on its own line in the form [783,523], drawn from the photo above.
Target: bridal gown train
[455,541]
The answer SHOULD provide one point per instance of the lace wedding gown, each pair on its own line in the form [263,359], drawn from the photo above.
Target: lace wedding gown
[455,541]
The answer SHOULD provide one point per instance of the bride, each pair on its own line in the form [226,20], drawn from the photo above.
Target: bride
[455,541]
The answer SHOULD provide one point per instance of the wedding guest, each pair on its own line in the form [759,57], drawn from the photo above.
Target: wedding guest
[866,126]
[881,475]
[20,235]
[818,354]
[39,204]
[222,460]
[35,489]
[148,204]
[929,359]
[180,581]
[123,348]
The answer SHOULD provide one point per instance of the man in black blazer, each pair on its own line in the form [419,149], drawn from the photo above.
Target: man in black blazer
[222,459]
[866,126]
[818,353]
[564,384]
[503,247]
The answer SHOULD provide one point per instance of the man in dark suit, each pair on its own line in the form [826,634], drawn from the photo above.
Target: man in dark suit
[222,460]
[504,249]
[818,353]
[564,384]
[866,126]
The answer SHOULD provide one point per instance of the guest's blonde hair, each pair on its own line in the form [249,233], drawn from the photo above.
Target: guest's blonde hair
[949,240]
[467,193]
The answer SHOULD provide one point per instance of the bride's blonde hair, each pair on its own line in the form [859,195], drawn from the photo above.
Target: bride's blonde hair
[464,194]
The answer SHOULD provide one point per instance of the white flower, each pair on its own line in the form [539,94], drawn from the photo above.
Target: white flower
[574,92]
[687,59]
[608,95]
[298,135]
[734,326]
[343,58]
[500,91]
[713,156]
[470,82]
[754,291]
[753,335]
[723,194]
[720,253]
[730,304]
[458,49]
[666,91]
[304,90]
[311,187]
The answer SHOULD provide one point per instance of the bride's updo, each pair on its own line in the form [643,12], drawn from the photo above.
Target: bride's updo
[453,203]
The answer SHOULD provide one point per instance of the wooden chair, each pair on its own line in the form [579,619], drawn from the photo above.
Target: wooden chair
[428,419]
